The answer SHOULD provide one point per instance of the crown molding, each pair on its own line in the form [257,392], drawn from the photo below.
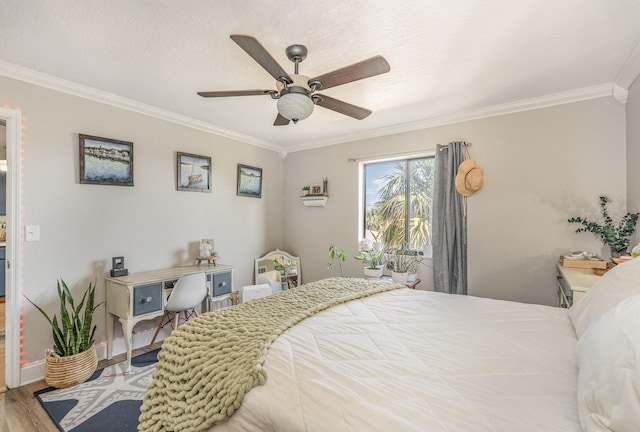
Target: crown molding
[43,80]
[577,95]
[630,71]
[620,94]
[603,90]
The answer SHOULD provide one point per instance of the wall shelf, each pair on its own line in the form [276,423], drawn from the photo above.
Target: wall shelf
[314,200]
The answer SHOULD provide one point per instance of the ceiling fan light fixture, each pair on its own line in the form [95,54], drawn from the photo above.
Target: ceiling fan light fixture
[295,104]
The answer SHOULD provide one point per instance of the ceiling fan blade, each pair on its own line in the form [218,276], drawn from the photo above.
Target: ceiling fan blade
[367,68]
[227,93]
[259,54]
[281,121]
[343,108]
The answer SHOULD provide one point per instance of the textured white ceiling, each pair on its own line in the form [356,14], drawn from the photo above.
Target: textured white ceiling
[446,56]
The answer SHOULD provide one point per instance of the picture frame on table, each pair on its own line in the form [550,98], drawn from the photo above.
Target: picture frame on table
[193,172]
[249,181]
[105,161]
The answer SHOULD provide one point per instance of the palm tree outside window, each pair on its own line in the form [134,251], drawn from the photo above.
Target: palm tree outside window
[398,202]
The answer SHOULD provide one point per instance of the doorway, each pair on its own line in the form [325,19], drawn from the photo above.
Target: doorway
[3,215]
[10,364]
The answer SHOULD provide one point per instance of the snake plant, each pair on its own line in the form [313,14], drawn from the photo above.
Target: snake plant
[73,334]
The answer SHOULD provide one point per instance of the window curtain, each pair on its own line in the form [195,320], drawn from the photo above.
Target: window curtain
[449,223]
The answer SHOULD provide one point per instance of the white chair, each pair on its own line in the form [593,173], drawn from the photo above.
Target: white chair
[188,292]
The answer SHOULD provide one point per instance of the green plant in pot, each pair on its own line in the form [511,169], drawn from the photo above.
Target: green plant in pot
[372,257]
[73,357]
[402,261]
[616,237]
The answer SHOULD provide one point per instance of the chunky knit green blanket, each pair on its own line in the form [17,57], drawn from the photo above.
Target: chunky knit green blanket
[208,364]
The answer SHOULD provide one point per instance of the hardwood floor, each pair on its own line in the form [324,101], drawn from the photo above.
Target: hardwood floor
[20,411]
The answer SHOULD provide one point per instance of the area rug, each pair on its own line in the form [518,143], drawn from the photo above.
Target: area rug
[108,402]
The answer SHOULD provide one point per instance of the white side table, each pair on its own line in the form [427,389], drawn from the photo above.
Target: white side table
[573,283]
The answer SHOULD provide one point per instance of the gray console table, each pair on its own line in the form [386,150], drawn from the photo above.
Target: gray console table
[142,296]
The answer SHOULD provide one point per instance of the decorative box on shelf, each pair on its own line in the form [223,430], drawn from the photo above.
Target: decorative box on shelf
[583,263]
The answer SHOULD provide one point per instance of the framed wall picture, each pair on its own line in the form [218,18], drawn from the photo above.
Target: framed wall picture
[249,181]
[105,161]
[194,172]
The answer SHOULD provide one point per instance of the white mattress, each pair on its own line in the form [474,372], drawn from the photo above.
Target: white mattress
[410,360]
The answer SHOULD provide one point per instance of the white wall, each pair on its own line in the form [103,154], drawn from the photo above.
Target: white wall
[633,153]
[541,167]
[151,224]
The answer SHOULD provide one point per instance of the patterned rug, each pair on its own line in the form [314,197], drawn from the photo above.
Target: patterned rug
[108,402]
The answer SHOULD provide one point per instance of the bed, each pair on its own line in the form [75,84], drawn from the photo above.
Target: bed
[408,360]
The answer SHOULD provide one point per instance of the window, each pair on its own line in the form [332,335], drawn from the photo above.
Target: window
[398,202]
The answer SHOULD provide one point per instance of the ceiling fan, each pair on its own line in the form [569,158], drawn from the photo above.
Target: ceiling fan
[296,94]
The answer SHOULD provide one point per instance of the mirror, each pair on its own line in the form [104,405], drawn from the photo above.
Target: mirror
[279,269]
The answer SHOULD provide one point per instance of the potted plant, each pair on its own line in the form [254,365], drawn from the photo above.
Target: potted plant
[335,253]
[616,237]
[73,358]
[402,261]
[373,257]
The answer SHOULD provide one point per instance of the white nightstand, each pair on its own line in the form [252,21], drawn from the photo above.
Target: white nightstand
[573,283]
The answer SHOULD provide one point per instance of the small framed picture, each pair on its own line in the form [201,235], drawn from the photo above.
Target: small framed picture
[207,241]
[105,161]
[249,181]
[194,172]
[315,189]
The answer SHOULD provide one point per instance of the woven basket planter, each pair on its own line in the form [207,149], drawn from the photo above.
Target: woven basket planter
[61,372]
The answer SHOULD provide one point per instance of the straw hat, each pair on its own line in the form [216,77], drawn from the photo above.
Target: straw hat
[469,178]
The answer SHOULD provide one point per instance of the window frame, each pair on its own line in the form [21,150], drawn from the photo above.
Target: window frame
[362,187]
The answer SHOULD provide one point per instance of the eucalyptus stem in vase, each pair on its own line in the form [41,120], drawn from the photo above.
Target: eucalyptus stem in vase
[616,237]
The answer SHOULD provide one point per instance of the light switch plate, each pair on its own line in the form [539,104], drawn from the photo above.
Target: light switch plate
[32,233]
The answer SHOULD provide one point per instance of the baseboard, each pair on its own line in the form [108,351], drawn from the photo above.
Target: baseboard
[35,371]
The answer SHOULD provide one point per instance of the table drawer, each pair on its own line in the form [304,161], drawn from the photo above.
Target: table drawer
[220,283]
[147,298]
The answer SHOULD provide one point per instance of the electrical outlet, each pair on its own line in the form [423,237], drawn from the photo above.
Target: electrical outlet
[32,233]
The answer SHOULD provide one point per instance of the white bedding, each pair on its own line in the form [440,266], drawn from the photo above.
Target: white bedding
[409,360]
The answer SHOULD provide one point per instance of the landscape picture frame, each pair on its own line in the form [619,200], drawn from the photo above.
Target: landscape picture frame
[105,161]
[249,181]
[193,172]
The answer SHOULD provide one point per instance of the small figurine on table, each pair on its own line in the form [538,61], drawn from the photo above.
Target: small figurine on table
[205,250]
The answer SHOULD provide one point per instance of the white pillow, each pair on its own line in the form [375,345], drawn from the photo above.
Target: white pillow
[609,370]
[619,283]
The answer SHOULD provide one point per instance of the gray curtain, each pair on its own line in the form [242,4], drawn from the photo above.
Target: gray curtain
[449,223]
